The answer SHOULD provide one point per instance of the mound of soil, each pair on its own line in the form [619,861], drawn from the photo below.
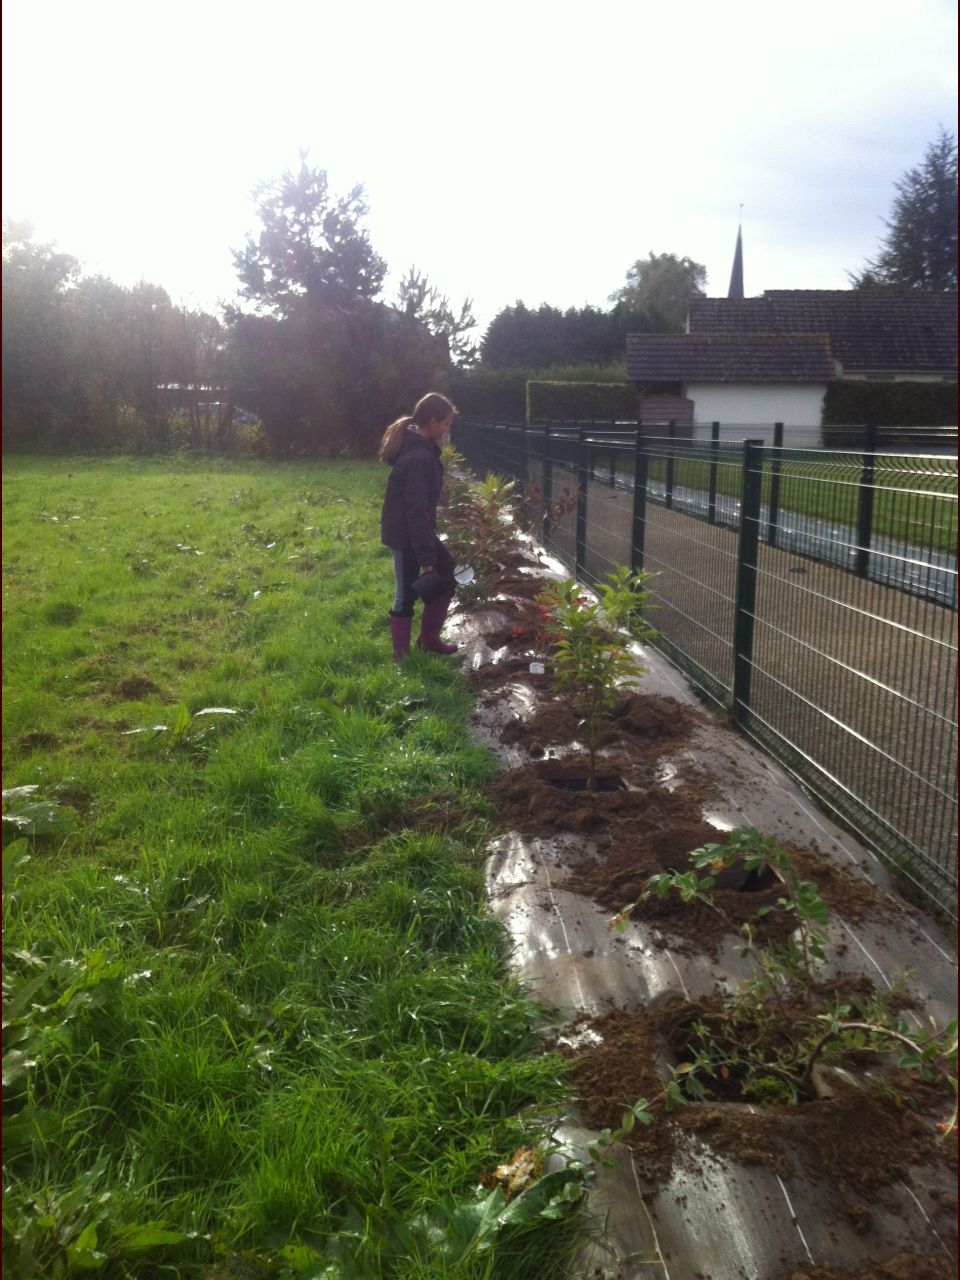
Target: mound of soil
[132,688]
[643,724]
[514,583]
[860,1139]
[491,675]
[648,829]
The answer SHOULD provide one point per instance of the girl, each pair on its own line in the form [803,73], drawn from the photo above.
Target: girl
[408,522]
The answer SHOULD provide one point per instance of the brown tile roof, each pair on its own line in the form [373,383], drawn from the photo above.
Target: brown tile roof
[681,357]
[869,330]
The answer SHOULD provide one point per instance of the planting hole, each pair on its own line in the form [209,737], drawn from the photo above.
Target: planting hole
[742,881]
[581,784]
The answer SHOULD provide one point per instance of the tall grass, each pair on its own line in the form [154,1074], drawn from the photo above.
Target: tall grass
[257,1020]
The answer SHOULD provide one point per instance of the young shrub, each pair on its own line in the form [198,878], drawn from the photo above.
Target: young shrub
[589,649]
[478,521]
[771,1035]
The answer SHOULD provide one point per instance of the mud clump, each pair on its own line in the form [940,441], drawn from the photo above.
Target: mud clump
[132,688]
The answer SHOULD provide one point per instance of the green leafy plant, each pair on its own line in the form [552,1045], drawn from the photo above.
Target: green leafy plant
[788,964]
[589,647]
[190,728]
[26,812]
[478,520]
[534,512]
[62,1233]
[768,1039]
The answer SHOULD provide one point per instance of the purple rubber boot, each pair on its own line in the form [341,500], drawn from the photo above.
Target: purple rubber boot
[400,631]
[433,619]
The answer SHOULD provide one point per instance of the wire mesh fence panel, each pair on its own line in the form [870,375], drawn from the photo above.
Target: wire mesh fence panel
[609,529]
[811,592]
[694,559]
[855,667]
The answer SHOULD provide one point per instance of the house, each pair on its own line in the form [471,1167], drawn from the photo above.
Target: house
[770,359]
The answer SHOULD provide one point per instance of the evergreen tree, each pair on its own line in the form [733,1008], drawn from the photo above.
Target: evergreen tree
[920,248]
[322,362]
[311,249]
[418,299]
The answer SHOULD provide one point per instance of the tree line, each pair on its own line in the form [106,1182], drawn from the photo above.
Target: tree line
[312,350]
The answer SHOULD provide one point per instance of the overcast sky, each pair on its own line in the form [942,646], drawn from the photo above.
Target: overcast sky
[511,149]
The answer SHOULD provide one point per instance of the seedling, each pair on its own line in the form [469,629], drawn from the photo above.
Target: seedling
[477,520]
[590,653]
[758,1041]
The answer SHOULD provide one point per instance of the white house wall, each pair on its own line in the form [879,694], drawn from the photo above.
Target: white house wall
[796,406]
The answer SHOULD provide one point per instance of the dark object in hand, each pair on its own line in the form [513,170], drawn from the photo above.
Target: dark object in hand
[429,587]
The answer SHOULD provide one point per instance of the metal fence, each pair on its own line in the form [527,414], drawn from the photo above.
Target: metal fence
[811,593]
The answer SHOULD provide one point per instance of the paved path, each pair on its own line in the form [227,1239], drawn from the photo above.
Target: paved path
[919,570]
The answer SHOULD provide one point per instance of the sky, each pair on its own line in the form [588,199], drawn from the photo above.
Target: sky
[510,149]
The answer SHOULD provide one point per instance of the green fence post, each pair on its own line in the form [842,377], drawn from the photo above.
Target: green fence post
[748,544]
[547,481]
[865,506]
[773,510]
[712,482]
[641,464]
[583,476]
[668,481]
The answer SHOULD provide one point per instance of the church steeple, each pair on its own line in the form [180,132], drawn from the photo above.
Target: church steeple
[736,275]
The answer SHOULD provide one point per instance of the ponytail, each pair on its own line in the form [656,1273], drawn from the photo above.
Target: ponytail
[431,407]
[392,440]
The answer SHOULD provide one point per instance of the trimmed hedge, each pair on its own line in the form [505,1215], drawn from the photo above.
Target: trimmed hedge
[891,404]
[502,393]
[581,401]
[490,393]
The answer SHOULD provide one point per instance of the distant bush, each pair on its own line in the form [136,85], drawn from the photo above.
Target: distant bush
[891,404]
[581,401]
[502,393]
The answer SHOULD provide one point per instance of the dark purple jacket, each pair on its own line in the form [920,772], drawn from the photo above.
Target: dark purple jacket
[409,516]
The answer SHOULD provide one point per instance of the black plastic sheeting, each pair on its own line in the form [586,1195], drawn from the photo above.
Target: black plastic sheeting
[715,1219]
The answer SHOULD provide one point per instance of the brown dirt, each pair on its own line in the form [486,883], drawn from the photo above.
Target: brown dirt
[859,1140]
[491,675]
[902,1266]
[518,560]
[439,812]
[648,830]
[513,583]
[644,724]
[134,687]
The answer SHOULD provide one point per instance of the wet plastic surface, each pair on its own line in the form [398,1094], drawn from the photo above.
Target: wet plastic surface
[715,1219]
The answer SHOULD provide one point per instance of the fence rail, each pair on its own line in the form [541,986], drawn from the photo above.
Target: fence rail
[811,593]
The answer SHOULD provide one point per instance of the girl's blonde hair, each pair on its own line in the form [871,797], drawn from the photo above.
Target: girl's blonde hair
[431,407]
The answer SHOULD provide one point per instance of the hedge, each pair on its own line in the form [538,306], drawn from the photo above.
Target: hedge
[891,404]
[502,393]
[581,401]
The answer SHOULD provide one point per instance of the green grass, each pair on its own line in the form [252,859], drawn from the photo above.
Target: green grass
[257,1022]
[915,500]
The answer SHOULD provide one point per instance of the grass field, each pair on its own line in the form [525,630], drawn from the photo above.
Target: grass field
[256,1020]
[914,499]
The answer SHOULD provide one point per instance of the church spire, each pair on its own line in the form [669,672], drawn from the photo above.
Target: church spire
[736,275]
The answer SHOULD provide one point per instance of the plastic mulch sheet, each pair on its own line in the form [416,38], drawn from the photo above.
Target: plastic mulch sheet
[740,1191]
